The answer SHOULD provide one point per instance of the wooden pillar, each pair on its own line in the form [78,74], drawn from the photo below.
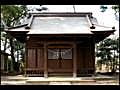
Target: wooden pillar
[93,53]
[7,64]
[45,61]
[26,59]
[74,61]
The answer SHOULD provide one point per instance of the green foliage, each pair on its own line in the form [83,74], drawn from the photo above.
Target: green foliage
[114,7]
[103,8]
[1,26]
[108,51]
[12,14]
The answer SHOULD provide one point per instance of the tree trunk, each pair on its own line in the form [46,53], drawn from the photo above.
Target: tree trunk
[113,65]
[12,54]
[5,43]
[17,52]
[18,57]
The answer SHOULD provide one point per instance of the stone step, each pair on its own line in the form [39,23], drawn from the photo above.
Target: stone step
[60,80]
[59,83]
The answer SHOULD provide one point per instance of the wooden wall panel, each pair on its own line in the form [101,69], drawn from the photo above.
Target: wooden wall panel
[79,58]
[92,65]
[85,58]
[40,58]
[31,60]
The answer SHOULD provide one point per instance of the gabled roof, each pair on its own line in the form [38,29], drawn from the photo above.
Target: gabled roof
[62,23]
[57,23]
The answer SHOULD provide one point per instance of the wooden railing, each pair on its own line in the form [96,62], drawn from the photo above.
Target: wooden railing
[40,72]
[34,72]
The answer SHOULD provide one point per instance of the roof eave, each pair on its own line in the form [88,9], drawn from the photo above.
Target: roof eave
[101,35]
[62,14]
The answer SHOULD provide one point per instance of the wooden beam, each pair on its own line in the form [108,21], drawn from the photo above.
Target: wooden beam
[36,59]
[62,14]
[26,59]
[93,54]
[45,61]
[74,61]
[60,42]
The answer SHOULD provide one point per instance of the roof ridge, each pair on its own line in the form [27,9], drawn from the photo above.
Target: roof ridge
[60,13]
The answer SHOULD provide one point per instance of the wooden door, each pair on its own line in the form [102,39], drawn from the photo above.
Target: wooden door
[60,60]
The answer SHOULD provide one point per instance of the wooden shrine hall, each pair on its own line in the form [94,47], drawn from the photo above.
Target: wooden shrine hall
[60,44]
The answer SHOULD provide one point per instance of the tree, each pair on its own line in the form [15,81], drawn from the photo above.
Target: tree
[12,15]
[108,51]
[114,7]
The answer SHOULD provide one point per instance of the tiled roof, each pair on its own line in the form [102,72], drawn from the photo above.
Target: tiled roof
[61,23]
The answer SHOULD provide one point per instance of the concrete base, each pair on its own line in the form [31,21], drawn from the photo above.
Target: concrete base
[58,80]
[21,80]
